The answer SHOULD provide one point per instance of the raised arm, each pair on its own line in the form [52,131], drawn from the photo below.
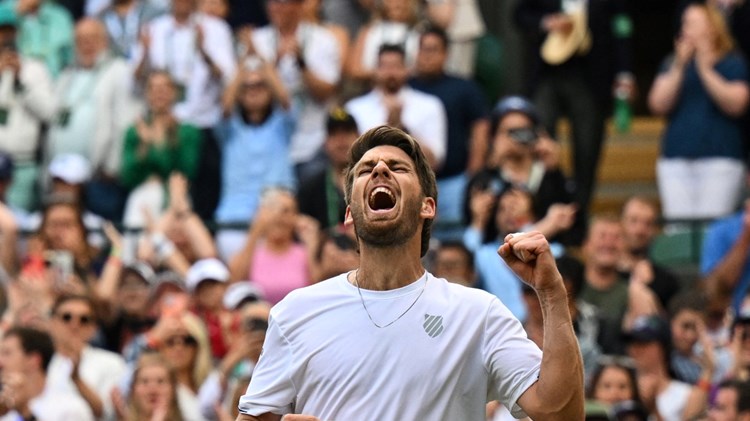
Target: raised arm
[731,96]
[558,394]
[666,88]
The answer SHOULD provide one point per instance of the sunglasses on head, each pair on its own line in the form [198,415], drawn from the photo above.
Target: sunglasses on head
[185,340]
[83,320]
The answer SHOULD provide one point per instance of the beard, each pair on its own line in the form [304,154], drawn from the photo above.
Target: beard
[392,233]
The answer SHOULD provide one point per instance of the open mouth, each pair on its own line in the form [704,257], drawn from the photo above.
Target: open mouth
[382,199]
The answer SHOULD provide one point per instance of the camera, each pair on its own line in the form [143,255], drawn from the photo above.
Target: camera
[524,135]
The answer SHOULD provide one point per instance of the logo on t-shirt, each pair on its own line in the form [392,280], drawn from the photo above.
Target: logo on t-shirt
[433,325]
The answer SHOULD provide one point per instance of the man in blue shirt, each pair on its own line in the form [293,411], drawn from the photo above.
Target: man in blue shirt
[466,109]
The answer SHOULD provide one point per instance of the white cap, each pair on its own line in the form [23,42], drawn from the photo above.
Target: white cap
[239,292]
[206,269]
[71,168]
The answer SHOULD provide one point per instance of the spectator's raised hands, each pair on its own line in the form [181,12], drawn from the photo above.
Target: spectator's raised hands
[481,208]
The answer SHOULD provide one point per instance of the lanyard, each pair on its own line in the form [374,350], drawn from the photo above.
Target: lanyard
[124,31]
[332,200]
[83,94]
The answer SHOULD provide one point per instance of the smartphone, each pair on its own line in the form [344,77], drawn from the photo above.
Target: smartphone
[255,324]
[60,262]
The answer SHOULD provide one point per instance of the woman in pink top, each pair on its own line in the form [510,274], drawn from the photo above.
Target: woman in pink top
[272,259]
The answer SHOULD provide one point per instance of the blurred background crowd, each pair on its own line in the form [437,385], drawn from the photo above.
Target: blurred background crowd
[170,169]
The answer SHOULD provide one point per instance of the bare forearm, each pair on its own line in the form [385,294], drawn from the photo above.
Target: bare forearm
[665,91]
[730,96]
[560,384]
[319,89]
[240,263]
[727,273]
[91,398]
[199,237]
[478,146]
[264,417]
[8,256]
[106,288]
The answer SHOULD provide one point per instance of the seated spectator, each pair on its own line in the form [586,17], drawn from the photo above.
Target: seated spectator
[618,300]
[206,282]
[257,128]
[45,33]
[271,258]
[691,342]
[702,89]
[152,392]
[125,20]
[321,195]
[731,402]
[155,147]
[455,263]
[514,160]
[613,381]
[94,106]
[648,343]
[308,60]
[25,356]
[392,102]
[394,25]
[30,107]
[77,367]
[232,371]
[640,218]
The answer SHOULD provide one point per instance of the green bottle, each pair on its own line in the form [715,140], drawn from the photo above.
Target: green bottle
[623,115]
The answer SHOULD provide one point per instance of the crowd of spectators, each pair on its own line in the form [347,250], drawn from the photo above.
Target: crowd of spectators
[171,169]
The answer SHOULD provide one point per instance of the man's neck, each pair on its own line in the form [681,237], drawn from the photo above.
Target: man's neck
[289,29]
[601,278]
[122,8]
[182,19]
[384,269]
[518,168]
[430,76]
[35,383]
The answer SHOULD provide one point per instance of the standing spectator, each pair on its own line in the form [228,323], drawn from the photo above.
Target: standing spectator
[94,108]
[125,20]
[197,51]
[308,61]
[467,126]
[271,258]
[45,33]
[703,89]
[25,355]
[77,367]
[579,86]
[639,218]
[463,22]
[153,392]
[394,103]
[322,194]
[394,24]
[155,147]
[256,129]
[24,108]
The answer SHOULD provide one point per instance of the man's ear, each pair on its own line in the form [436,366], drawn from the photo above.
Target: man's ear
[428,208]
[348,219]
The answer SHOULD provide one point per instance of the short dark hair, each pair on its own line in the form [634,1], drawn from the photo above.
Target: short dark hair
[392,48]
[692,299]
[34,341]
[458,245]
[64,298]
[743,393]
[391,136]
[435,31]
[571,269]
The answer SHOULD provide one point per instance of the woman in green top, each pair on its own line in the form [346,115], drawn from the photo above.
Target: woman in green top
[156,146]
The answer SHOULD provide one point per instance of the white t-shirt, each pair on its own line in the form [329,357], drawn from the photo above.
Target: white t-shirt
[453,351]
[100,369]
[423,115]
[671,402]
[54,405]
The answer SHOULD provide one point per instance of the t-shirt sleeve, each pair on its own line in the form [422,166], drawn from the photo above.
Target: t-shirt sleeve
[734,68]
[510,357]
[271,388]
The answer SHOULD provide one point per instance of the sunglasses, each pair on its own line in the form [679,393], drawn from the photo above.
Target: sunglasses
[83,320]
[184,340]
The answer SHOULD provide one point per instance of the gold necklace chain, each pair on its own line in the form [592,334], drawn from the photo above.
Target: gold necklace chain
[362,299]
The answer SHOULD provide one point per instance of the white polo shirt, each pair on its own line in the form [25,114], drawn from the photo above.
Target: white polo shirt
[456,349]
[423,116]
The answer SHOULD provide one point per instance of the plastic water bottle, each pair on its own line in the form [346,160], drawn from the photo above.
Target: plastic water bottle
[623,115]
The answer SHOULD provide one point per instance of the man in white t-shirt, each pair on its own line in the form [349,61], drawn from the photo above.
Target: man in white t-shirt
[25,354]
[390,341]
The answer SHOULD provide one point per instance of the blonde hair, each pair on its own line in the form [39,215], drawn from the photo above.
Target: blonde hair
[151,359]
[723,41]
[202,363]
